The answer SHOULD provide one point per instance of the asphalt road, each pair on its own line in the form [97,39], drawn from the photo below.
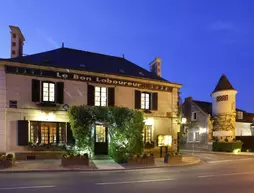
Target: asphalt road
[217,173]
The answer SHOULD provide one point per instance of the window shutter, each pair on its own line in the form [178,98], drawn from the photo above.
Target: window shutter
[137,99]
[90,95]
[22,132]
[36,87]
[111,96]
[70,138]
[60,92]
[154,101]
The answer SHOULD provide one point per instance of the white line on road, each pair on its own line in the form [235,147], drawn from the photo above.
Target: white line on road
[27,187]
[133,182]
[221,161]
[231,174]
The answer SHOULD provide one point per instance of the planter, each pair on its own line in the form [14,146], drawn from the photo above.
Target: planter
[43,148]
[7,163]
[174,159]
[74,161]
[149,160]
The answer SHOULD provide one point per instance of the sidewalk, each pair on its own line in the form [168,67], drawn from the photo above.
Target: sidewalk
[95,165]
[216,152]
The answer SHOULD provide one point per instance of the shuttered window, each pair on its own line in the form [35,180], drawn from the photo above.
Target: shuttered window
[47,91]
[146,101]
[100,96]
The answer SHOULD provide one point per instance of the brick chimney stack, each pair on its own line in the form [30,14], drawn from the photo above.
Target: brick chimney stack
[155,66]
[17,42]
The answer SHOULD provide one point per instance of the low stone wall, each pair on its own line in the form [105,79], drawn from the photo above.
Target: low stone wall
[38,155]
[136,160]
[197,146]
[175,159]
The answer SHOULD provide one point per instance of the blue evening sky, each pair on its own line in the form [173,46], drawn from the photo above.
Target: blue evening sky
[198,40]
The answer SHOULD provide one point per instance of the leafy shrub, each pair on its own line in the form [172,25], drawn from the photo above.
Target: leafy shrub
[124,128]
[227,146]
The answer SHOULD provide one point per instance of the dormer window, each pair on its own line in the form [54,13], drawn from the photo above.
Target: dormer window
[141,73]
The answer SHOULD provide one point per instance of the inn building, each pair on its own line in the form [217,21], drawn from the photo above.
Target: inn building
[36,91]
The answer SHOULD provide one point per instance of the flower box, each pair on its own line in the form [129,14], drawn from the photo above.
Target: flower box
[7,161]
[46,147]
[74,160]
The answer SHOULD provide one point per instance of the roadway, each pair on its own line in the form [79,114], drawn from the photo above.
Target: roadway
[217,173]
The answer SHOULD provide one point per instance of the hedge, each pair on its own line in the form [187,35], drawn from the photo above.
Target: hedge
[227,146]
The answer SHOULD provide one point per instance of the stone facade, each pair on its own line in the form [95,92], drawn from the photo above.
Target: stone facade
[15,87]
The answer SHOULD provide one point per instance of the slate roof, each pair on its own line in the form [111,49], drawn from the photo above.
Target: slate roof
[87,61]
[223,84]
[207,108]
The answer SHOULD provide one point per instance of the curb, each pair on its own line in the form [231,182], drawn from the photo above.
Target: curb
[101,170]
[214,152]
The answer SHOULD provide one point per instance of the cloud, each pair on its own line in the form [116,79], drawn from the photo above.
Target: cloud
[52,42]
[221,26]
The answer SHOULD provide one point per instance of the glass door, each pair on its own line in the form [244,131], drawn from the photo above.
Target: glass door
[101,140]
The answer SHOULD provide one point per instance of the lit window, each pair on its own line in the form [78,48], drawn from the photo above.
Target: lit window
[145,101]
[148,133]
[48,91]
[47,132]
[100,133]
[100,96]
[239,115]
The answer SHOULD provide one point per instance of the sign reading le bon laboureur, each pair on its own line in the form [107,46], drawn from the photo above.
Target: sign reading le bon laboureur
[85,78]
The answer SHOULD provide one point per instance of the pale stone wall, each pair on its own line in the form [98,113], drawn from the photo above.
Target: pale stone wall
[224,114]
[2,110]
[75,93]
[242,129]
[222,107]
[199,125]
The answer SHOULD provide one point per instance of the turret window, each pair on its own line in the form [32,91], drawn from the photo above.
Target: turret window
[222,98]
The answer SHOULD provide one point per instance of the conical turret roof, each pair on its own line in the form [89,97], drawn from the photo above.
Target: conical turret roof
[223,84]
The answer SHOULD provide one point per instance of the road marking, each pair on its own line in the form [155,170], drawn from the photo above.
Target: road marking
[220,161]
[27,187]
[218,175]
[147,170]
[133,182]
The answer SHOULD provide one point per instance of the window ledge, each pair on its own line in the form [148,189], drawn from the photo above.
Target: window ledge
[147,111]
[46,104]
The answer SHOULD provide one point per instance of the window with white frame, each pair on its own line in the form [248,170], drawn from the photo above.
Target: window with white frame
[197,136]
[48,92]
[100,96]
[145,101]
[194,116]
[190,136]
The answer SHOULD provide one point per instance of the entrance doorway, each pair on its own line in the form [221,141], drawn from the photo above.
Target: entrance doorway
[100,140]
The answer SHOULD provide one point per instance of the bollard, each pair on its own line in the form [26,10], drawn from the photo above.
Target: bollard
[160,151]
[166,158]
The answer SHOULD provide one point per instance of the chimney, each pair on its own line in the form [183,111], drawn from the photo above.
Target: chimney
[187,108]
[155,66]
[17,42]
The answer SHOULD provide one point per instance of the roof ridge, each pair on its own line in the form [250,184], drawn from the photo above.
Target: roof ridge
[91,52]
